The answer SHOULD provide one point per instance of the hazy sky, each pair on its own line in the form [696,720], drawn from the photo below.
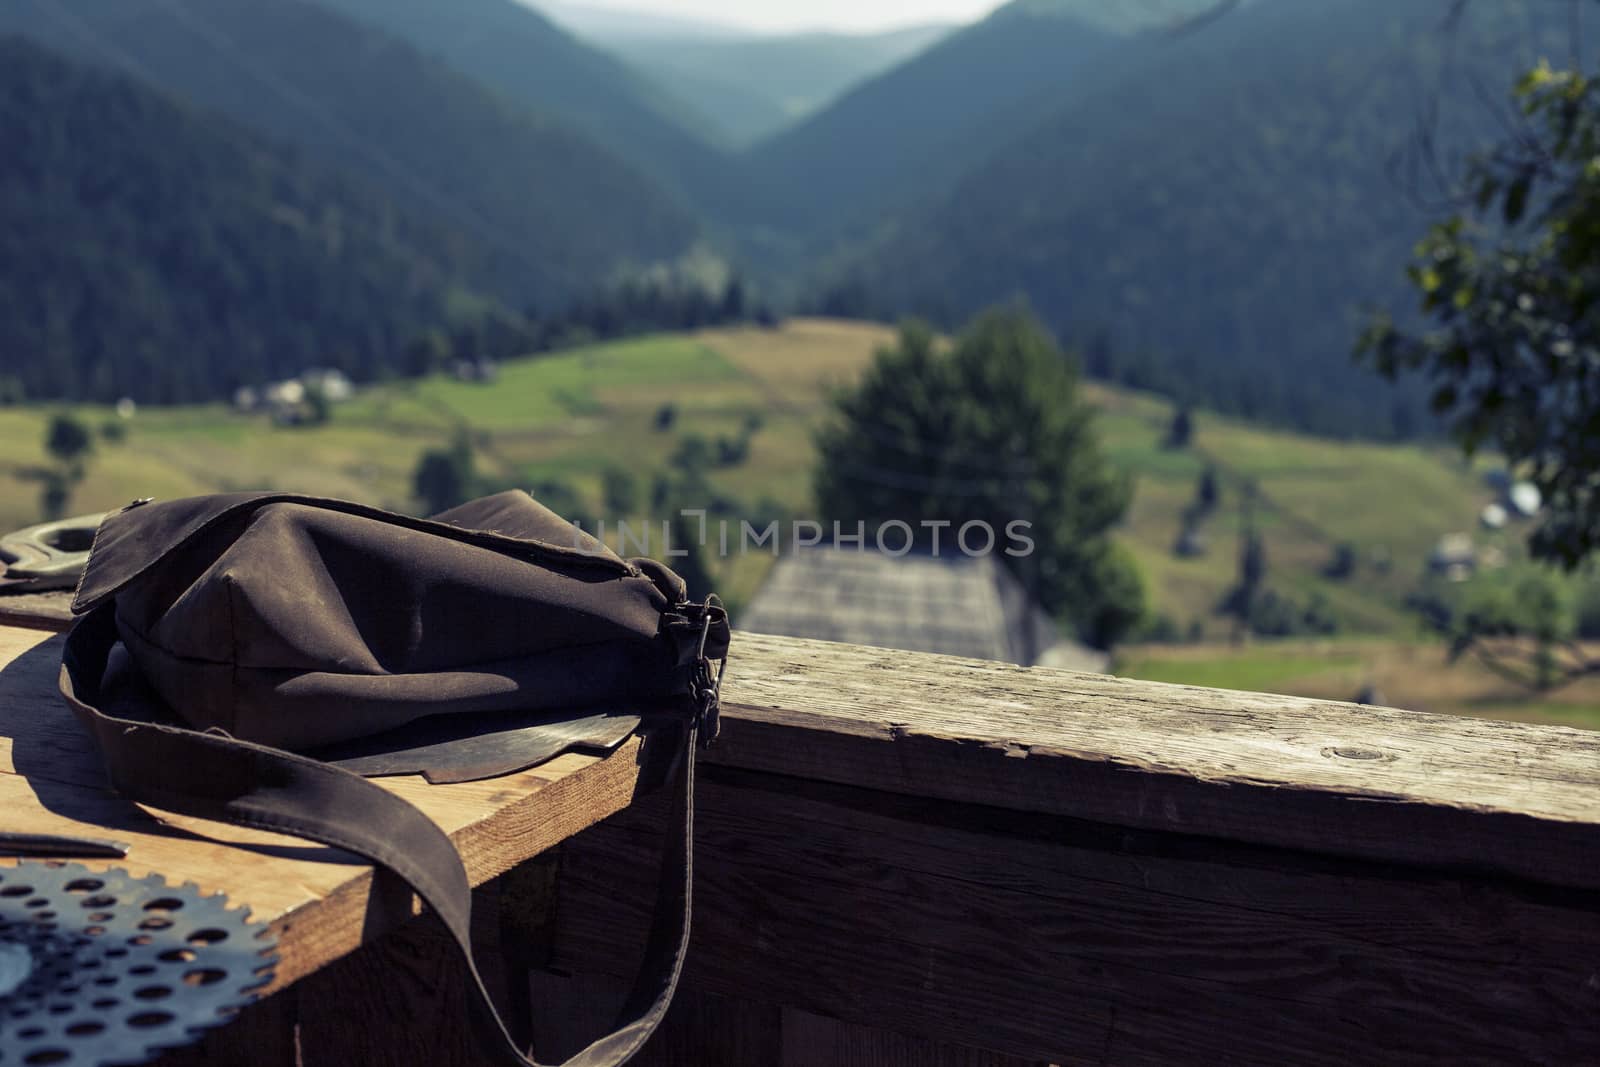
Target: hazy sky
[845,15]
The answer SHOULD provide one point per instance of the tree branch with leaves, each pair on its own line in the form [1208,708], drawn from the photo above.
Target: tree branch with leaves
[1512,290]
[1508,338]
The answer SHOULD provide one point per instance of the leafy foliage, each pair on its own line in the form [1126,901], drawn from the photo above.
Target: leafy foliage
[690,565]
[1274,614]
[1207,493]
[54,495]
[1520,623]
[1514,297]
[1243,600]
[1342,564]
[68,440]
[445,477]
[1181,432]
[620,489]
[992,430]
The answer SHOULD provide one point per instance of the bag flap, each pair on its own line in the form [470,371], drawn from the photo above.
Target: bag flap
[132,541]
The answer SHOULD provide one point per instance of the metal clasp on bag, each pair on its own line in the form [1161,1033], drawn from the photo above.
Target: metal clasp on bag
[705,688]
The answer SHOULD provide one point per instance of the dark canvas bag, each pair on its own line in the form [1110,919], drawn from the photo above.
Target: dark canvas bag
[234,648]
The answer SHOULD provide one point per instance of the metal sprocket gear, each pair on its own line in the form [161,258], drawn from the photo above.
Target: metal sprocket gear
[101,968]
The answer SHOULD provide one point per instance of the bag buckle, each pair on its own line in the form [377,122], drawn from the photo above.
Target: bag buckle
[705,688]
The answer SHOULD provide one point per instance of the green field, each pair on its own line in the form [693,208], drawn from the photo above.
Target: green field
[1409,674]
[570,416]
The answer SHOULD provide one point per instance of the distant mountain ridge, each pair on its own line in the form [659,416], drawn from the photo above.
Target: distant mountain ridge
[750,87]
[180,258]
[1121,16]
[600,23]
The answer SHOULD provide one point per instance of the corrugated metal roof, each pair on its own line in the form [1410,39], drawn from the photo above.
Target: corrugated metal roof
[954,605]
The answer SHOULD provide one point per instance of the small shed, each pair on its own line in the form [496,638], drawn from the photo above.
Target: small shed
[951,604]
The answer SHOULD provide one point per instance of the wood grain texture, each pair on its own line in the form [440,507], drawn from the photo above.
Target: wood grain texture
[1348,780]
[814,1041]
[37,611]
[701,1029]
[705,1029]
[315,898]
[396,1001]
[1050,939]
[262,1035]
[964,859]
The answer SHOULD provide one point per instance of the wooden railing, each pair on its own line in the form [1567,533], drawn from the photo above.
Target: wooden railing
[909,859]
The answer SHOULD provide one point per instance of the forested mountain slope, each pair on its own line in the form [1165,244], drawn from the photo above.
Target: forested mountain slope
[517,51]
[554,211]
[1223,203]
[914,128]
[149,250]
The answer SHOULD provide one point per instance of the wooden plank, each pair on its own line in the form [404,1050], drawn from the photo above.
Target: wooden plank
[399,1000]
[1349,780]
[814,1041]
[701,1028]
[37,611]
[1055,940]
[315,898]
[262,1035]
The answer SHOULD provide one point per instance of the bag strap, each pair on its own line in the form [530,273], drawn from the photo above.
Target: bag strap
[213,776]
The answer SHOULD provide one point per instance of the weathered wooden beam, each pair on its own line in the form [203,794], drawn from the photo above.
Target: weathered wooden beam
[717,1030]
[1347,780]
[37,611]
[1055,940]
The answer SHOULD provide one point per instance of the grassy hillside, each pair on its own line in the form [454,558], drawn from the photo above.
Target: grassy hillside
[1313,495]
[573,415]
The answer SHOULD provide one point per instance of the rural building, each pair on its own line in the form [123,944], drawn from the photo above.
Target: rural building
[1454,556]
[1525,500]
[954,605]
